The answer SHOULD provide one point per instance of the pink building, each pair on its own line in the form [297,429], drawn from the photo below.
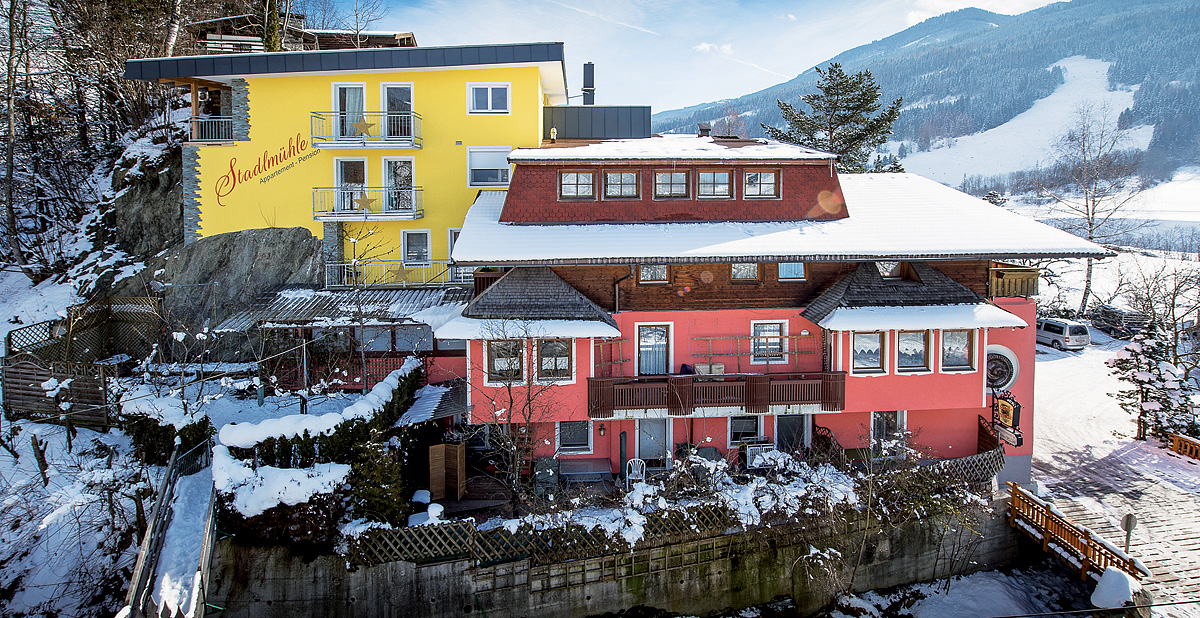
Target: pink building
[740,295]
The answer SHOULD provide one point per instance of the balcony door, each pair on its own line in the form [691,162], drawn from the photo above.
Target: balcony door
[349,102]
[654,349]
[351,183]
[398,181]
[397,102]
[653,442]
[791,432]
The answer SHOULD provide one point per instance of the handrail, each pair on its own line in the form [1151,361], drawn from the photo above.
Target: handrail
[210,129]
[375,129]
[1077,544]
[350,202]
[1184,445]
[396,273]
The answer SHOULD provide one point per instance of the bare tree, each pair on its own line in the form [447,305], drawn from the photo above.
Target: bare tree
[359,16]
[731,123]
[1098,181]
[1167,291]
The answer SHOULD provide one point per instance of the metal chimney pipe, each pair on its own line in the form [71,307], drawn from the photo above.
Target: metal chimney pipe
[589,83]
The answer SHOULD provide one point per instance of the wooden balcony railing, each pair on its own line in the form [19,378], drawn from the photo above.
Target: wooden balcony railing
[1009,280]
[1184,445]
[681,395]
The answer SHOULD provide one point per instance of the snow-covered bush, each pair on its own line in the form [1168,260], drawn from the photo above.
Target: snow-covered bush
[154,440]
[1159,396]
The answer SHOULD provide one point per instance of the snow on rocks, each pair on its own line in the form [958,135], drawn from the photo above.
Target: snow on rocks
[255,490]
[1115,589]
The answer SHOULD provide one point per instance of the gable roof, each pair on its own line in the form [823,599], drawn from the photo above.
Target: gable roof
[534,293]
[865,287]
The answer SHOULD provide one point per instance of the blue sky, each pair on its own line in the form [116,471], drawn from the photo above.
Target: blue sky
[674,53]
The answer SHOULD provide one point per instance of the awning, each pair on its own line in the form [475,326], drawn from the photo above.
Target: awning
[470,328]
[928,317]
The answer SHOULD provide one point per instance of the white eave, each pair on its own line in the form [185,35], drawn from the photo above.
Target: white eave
[471,328]
[674,148]
[930,317]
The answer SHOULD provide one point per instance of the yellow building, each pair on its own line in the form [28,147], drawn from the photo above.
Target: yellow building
[379,152]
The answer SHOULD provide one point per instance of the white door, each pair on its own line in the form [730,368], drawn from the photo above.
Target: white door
[349,110]
[398,183]
[653,442]
[398,105]
[351,182]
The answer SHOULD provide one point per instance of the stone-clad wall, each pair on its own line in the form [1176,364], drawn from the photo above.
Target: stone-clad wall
[695,577]
[191,193]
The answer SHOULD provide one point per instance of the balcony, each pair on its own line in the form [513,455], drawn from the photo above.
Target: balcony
[366,129]
[395,274]
[1010,280]
[683,395]
[210,129]
[367,203]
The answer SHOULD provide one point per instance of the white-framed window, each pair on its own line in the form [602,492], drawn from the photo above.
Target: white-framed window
[768,343]
[888,429]
[488,98]
[576,185]
[868,352]
[416,248]
[505,360]
[653,273]
[714,184]
[912,350]
[743,429]
[761,184]
[487,166]
[351,177]
[396,101]
[574,436]
[621,185]
[958,350]
[348,101]
[554,359]
[792,271]
[744,272]
[670,184]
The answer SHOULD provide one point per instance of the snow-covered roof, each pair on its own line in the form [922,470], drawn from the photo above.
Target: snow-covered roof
[977,315]
[293,307]
[674,147]
[470,328]
[892,217]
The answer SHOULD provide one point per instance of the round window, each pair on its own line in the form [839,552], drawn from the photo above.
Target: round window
[1002,367]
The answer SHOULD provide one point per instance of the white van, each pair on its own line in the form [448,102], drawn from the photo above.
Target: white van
[1063,334]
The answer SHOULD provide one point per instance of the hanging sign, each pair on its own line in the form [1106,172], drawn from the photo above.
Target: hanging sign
[1006,418]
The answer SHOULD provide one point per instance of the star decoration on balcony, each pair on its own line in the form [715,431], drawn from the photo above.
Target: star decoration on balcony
[362,126]
[364,202]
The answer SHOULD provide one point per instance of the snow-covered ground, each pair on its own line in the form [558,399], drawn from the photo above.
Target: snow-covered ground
[1027,140]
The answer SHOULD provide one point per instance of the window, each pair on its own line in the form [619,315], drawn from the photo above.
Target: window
[504,361]
[348,106]
[652,273]
[887,433]
[713,184]
[352,182]
[554,359]
[911,349]
[742,429]
[621,184]
[487,98]
[375,339]
[791,270]
[761,184]
[868,352]
[574,185]
[1079,331]
[574,436]
[767,344]
[745,272]
[670,184]
[397,103]
[488,167]
[416,248]
[956,350]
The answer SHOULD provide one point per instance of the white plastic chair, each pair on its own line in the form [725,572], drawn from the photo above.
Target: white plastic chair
[635,472]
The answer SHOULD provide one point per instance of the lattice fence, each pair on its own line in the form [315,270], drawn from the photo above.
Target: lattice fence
[980,468]
[92,331]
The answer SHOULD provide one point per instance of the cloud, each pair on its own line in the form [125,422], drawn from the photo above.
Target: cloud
[791,17]
[726,49]
[603,18]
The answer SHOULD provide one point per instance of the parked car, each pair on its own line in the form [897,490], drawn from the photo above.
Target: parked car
[1063,334]
[1117,322]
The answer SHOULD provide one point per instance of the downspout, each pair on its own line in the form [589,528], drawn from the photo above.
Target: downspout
[617,290]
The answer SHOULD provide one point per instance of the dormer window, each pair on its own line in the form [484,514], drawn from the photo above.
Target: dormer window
[714,184]
[670,184]
[576,185]
[897,271]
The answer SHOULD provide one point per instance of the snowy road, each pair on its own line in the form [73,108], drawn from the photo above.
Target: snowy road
[1085,454]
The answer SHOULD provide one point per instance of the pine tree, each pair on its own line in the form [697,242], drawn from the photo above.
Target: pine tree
[1158,394]
[995,198]
[841,120]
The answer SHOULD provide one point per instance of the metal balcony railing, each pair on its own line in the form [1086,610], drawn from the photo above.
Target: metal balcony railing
[366,129]
[211,129]
[370,203]
[364,273]
[681,395]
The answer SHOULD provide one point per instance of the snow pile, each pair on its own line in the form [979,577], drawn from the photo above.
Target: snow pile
[256,490]
[1115,589]
[246,435]
[145,400]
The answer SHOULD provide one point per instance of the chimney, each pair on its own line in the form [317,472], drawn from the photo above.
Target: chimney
[705,129]
[589,83]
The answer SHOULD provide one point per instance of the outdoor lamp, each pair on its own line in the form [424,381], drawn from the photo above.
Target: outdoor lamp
[601,430]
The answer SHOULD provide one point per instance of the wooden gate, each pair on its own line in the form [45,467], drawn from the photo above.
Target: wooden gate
[39,390]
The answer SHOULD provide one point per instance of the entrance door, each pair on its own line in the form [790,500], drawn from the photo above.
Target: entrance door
[398,183]
[398,105]
[351,180]
[653,442]
[791,433]
[653,350]
[349,110]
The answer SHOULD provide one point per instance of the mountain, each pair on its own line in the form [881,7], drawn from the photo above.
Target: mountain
[971,70]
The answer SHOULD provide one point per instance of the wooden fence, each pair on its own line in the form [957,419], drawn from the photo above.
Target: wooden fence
[1188,447]
[1078,546]
[40,390]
